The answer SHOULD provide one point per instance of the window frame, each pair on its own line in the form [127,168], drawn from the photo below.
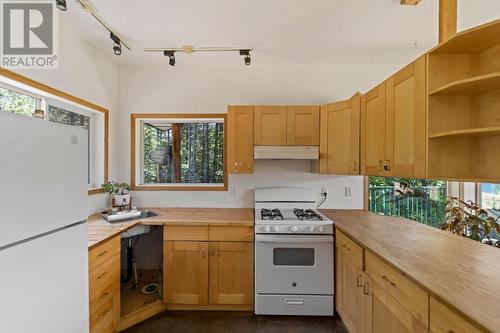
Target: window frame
[136,156]
[47,94]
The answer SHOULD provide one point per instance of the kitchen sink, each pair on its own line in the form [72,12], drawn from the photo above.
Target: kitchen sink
[131,216]
[128,216]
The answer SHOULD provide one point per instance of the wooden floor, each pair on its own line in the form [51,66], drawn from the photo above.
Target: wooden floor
[239,322]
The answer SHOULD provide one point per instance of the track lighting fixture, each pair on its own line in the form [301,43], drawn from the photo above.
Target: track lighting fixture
[189,49]
[117,44]
[246,53]
[171,57]
[61,5]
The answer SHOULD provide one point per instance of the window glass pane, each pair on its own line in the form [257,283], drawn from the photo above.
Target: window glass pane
[62,116]
[189,153]
[293,257]
[490,196]
[16,102]
[417,199]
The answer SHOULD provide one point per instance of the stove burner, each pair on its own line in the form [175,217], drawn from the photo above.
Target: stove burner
[271,214]
[307,215]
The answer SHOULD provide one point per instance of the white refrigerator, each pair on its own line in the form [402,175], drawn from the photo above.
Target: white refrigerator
[43,231]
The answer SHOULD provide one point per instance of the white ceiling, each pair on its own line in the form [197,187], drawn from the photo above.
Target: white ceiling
[314,32]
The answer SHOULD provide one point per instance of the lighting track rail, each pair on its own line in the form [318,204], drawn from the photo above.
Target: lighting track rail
[170,52]
[115,36]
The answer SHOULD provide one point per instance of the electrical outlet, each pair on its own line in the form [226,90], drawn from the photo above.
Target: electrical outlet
[232,191]
[324,190]
[347,191]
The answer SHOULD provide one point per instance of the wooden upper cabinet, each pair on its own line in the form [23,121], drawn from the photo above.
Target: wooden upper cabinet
[373,131]
[270,125]
[406,122]
[186,272]
[303,125]
[339,144]
[231,273]
[240,139]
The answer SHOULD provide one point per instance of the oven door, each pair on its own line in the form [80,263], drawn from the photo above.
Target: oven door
[294,264]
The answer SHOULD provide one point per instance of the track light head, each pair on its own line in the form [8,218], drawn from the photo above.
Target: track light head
[171,57]
[246,53]
[61,5]
[117,44]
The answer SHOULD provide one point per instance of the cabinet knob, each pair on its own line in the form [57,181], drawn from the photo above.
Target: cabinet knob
[387,165]
[359,282]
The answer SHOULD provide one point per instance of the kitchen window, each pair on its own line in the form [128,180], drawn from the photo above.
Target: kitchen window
[178,152]
[490,198]
[421,200]
[18,97]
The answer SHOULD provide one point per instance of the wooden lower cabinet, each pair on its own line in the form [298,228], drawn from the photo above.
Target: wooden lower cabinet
[348,292]
[208,274]
[231,273]
[186,272]
[383,313]
[445,320]
[104,287]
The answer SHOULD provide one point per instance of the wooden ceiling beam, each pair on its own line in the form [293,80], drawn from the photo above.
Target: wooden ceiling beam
[410,2]
[447,19]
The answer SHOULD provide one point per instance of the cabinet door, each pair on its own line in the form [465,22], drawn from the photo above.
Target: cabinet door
[240,139]
[270,125]
[348,291]
[231,273]
[384,314]
[186,272]
[373,134]
[339,144]
[302,125]
[406,122]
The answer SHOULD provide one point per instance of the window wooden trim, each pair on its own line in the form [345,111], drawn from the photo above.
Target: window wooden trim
[47,89]
[135,116]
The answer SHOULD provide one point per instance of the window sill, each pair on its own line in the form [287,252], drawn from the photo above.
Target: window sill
[178,188]
[93,191]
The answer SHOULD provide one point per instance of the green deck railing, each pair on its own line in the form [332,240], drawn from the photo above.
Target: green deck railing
[430,211]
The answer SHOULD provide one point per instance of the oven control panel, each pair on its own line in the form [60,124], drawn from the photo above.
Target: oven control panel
[294,229]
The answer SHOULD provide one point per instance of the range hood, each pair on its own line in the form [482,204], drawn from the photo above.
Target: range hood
[286,152]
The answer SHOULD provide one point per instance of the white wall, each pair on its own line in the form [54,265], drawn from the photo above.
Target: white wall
[211,89]
[86,73]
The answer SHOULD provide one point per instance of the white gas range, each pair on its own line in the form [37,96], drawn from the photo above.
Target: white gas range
[293,254]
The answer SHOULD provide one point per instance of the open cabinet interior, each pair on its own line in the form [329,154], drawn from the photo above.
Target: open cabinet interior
[463,110]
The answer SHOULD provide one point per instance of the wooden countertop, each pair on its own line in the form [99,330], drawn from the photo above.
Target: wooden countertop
[461,272]
[100,230]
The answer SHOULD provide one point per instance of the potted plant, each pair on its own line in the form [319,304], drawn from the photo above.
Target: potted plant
[468,219]
[120,192]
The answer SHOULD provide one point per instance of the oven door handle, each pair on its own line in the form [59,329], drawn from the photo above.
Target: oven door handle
[293,239]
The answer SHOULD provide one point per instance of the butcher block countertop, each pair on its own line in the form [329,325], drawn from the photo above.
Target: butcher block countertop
[100,230]
[461,272]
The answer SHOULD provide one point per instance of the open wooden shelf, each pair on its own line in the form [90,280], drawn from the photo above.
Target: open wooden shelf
[468,133]
[474,40]
[471,86]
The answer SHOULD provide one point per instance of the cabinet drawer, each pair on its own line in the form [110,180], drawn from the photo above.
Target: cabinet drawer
[445,320]
[103,276]
[99,297]
[225,233]
[345,243]
[408,294]
[188,233]
[103,252]
[102,318]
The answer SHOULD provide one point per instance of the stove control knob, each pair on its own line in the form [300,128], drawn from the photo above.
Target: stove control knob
[276,229]
[320,229]
[294,228]
[311,229]
[266,228]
